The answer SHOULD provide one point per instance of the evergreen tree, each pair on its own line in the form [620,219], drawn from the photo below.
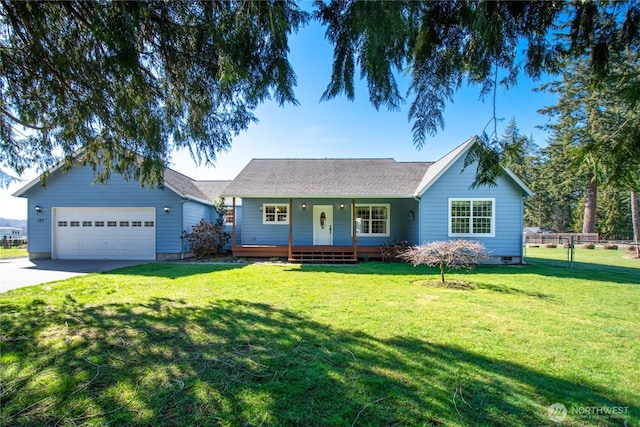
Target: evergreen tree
[597,128]
[441,45]
[560,186]
[523,157]
[128,82]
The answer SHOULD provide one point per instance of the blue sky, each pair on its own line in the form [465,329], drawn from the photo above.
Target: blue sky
[345,129]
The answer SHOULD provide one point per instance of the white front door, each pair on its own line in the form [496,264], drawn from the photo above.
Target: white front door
[323,225]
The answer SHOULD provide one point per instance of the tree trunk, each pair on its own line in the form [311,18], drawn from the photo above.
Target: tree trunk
[442,272]
[590,205]
[635,218]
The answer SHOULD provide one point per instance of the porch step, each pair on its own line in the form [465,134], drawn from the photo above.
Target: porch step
[323,257]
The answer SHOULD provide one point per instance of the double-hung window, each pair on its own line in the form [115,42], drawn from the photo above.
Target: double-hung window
[472,217]
[275,214]
[372,220]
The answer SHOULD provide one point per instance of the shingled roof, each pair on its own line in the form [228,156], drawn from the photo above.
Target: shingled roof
[328,178]
[202,191]
[347,178]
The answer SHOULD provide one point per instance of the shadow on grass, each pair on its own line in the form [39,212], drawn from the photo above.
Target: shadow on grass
[176,270]
[514,291]
[586,271]
[233,362]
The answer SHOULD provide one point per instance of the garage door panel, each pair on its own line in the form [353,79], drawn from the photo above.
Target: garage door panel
[104,233]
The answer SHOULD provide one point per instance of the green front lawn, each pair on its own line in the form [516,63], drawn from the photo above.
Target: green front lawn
[232,345]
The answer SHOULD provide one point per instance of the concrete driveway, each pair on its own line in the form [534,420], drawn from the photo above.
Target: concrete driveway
[18,272]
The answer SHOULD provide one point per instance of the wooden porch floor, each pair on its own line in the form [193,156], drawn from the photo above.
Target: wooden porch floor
[308,254]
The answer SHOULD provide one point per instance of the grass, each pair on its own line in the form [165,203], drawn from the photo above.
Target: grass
[597,258]
[13,253]
[231,345]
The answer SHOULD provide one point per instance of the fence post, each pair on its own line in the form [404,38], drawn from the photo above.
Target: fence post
[572,249]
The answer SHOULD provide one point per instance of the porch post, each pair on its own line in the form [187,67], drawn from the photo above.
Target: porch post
[290,228]
[233,229]
[353,228]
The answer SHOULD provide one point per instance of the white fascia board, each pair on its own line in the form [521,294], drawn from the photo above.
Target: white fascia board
[22,191]
[188,196]
[321,196]
[518,181]
[447,160]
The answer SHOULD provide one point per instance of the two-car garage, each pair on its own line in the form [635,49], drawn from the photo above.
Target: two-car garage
[75,217]
[104,233]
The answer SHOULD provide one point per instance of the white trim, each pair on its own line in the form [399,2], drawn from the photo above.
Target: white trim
[317,212]
[187,196]
[370,205]
[472,199]
[276,222]
[319,196]
[22,191]
[518,181]
[438,169]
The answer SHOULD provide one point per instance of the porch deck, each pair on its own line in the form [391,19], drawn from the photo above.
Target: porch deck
[308,254]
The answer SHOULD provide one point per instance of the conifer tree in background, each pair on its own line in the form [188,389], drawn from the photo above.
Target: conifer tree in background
[597,127]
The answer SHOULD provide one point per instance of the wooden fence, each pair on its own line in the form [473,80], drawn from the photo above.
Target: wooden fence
[559,238]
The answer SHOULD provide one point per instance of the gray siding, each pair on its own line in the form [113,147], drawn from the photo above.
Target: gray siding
[453,184]
[254,232]
[74,189]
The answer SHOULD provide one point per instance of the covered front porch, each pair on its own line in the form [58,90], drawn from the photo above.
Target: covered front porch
[317,253]
[320,230]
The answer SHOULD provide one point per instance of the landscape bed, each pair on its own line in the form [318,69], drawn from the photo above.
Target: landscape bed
[259,344]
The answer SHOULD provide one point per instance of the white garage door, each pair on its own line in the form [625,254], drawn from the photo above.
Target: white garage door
[104,233]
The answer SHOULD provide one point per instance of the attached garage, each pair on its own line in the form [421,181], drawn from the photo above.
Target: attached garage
[74,217]
[104,233]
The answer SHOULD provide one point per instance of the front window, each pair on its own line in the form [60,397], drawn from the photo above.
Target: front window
[275,214]
[471,217]
[228,216]
[372,220]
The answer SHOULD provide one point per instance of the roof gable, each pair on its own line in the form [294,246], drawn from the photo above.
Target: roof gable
[206,192]
[441,166]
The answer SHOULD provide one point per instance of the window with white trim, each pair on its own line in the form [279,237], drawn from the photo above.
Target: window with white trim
[472,217]
[275,214]
[372,220]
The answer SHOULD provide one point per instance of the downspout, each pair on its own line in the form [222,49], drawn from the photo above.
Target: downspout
[182,202]
[354,237]
[290,242]
[523,249]
[233,230]
[418,199]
